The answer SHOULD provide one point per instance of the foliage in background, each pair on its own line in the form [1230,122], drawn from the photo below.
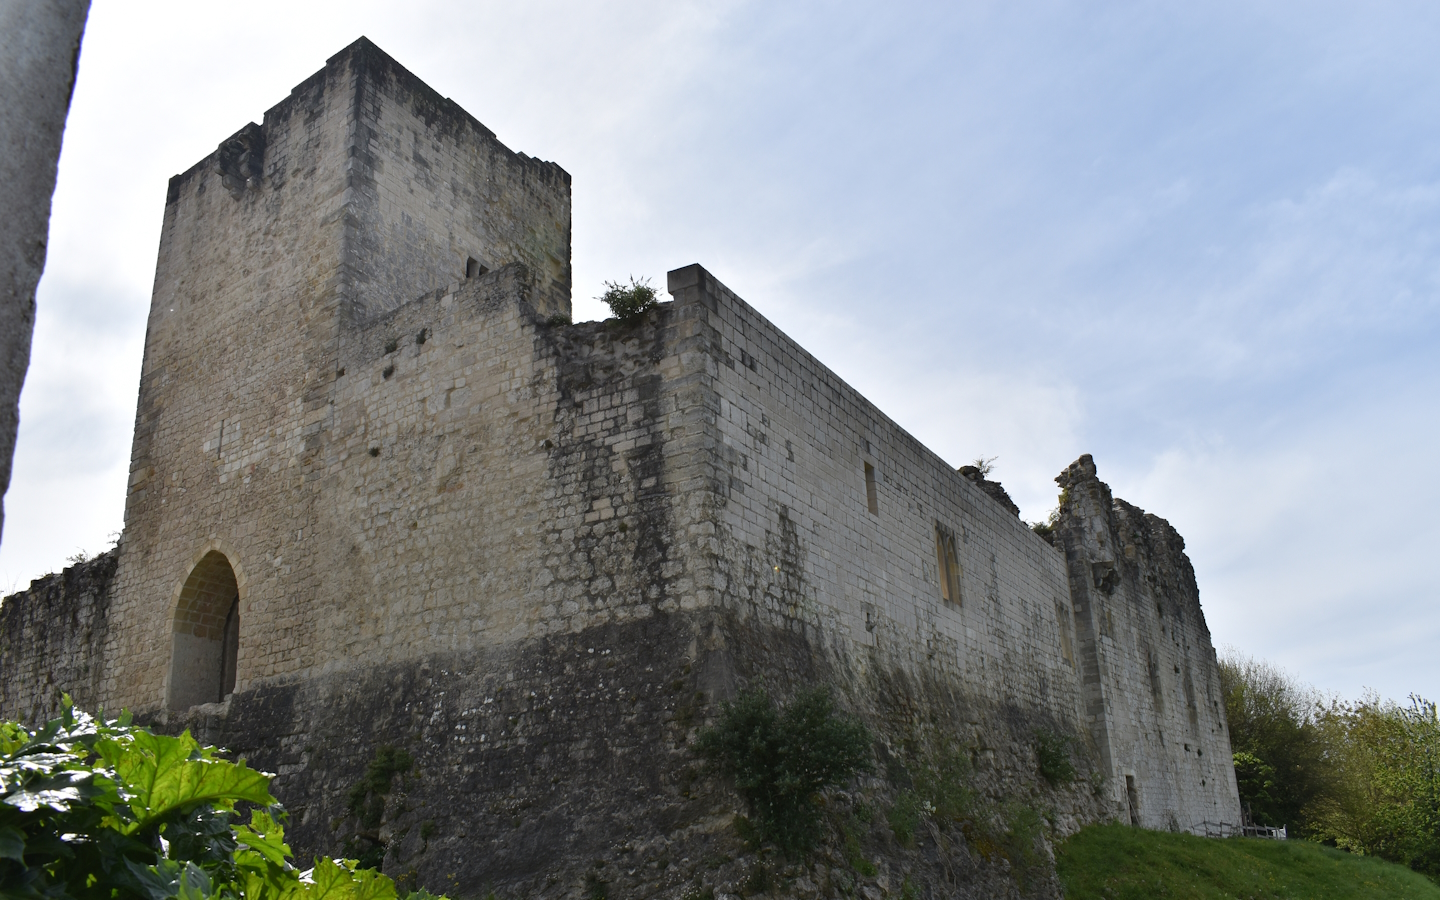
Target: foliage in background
[1280,754]
[781,758]
[1362,776]
[1384,797]
[1118,862]
[92,809]
[628,301]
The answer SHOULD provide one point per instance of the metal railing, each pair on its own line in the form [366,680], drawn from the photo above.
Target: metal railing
[1225,830]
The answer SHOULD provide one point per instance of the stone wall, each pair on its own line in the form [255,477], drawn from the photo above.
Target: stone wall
[798,549]
[536,555]
[276,251]
[1152,686]
[52,637]
[428,188]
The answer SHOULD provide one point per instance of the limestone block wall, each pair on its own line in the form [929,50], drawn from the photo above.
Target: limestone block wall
[428,187]
[1152,686]
[828,517]
[239,346]
[290,237]
[470,475]
[51,640]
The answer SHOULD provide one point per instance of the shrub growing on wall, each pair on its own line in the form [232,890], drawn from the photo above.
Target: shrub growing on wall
[781,758]
[91,808]
[628,301]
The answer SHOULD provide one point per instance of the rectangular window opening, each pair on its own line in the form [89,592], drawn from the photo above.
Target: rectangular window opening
[870,496]
[473,269]
[947,562]
[1062,619]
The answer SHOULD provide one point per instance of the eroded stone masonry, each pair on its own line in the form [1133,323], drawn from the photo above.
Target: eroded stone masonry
[384,495]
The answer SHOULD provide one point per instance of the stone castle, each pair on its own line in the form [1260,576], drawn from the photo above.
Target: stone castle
[384,495]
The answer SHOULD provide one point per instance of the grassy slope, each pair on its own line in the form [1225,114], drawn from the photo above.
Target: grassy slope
[1115,862]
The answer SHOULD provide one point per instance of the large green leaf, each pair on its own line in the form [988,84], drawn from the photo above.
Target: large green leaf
[264,836]
[339,880]
[12,844]
[162,774]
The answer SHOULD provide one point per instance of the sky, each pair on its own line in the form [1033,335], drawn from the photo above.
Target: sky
[1198,241]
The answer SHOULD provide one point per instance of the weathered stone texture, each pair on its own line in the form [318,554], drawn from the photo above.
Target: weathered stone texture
[1151,681]
[39,51]
[535,555]
[52,639]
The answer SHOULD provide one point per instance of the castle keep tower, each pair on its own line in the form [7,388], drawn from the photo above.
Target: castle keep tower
[361,191]
[384,494]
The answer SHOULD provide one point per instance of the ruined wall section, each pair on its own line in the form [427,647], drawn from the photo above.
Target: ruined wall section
[799,549]
[1151,681]
[430,187]
[51,636]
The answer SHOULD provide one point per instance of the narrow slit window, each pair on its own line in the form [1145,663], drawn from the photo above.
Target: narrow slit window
[1062,619]
[871,499]
[947,562]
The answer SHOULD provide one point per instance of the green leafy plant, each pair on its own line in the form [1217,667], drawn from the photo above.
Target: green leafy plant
[1287,765]
[940,789]
[781,758]
[96,809]
[909,890]
[1052,753]
[944,782]
[1019,843]
[904,817]
[367,802]
[854,853]
[628,301]
[1384,793]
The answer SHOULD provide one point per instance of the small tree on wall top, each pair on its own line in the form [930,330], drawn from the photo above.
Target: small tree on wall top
[627,301]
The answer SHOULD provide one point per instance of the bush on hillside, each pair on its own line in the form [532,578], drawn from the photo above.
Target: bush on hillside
[781,758]
[93,808]
[1384,798]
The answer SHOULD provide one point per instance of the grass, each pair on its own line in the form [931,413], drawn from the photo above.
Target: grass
[1116,862]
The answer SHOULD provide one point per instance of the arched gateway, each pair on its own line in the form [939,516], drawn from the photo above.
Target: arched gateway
[206,634]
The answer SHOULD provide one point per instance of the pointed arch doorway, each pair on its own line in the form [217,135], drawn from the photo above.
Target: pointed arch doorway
[206,634]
